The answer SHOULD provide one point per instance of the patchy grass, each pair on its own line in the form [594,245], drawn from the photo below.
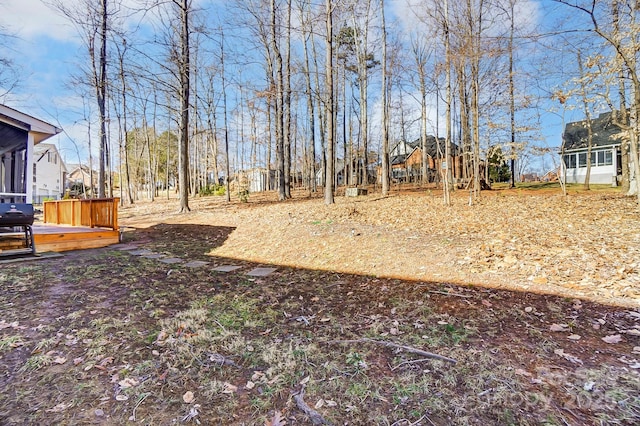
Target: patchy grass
[139,341]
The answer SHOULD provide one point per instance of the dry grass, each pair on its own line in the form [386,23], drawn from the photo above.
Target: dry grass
[105,337]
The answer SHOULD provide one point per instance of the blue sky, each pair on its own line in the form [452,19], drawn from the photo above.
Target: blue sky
[47,47]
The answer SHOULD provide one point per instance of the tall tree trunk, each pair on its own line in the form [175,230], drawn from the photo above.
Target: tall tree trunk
[328,181]
[279,105]
[587,113]
[447,150]
[184,65]
[127,166]
[312,120]
[101,92]
[321,113]
[420,57]
[361,42]
[622,95]
[226,124]
[287,108]
[385,129]
[512,105]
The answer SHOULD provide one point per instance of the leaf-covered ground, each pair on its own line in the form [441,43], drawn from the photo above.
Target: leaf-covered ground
[340,332]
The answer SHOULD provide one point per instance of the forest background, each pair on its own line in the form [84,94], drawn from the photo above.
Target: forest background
[183,93]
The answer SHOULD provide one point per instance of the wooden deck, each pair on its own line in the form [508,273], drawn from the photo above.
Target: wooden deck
[59,238]
[72,225]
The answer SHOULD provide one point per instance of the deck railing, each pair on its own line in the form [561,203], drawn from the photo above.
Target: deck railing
[95,213]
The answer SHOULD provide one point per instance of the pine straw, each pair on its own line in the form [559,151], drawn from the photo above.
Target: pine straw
[586,245]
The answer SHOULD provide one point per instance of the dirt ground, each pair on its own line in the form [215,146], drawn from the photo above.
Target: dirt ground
[522,308]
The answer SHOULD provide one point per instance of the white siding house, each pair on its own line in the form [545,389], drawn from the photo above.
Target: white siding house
[49,174]
[605,155]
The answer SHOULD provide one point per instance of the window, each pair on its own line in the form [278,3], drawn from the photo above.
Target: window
[600,158]
[570,161]
[593,158]
[608,158]
[582,159]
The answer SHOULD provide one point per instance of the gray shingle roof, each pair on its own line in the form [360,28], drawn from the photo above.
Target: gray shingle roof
[605,133]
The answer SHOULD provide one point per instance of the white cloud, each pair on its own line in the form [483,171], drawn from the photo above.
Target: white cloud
[32,18]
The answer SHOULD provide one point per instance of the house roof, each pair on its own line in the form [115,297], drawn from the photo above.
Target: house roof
[41,130]
[15,127]
[399,159]
[604,133]
[42,149]
[432,149]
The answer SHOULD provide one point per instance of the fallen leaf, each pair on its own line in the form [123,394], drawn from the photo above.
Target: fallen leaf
[574,337]
[229,388]
[121,397]
[107,360]
[162,336]
[188,397]
[128,383]
[589,386]
[567,356]
[319,404]
[558,327]
[59,360]
[331,403]
[276,420]
[612,339]
[486,303]
[59,408]
[250,385]
[528,309]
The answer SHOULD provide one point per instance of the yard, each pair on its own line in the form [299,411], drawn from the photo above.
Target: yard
[522,308]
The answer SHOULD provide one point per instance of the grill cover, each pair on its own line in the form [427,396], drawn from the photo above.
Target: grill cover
[12,214]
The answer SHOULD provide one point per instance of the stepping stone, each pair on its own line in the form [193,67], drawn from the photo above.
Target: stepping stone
[261,272]
[142,252]
[127,247]
[171,260]
[154,256]
[196,264]
[227,268]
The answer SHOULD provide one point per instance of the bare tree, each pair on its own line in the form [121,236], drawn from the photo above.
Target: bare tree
[329,106]
[184,70]
[587,112]
[9,75]
[385,109]
[93,21]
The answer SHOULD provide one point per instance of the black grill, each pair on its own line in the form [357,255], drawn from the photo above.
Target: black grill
[16,214]
[15,222]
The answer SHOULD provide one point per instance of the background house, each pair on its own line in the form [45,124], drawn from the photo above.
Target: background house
[49,173]
[79,180]
[406,160]
[19,134]
[606,162]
